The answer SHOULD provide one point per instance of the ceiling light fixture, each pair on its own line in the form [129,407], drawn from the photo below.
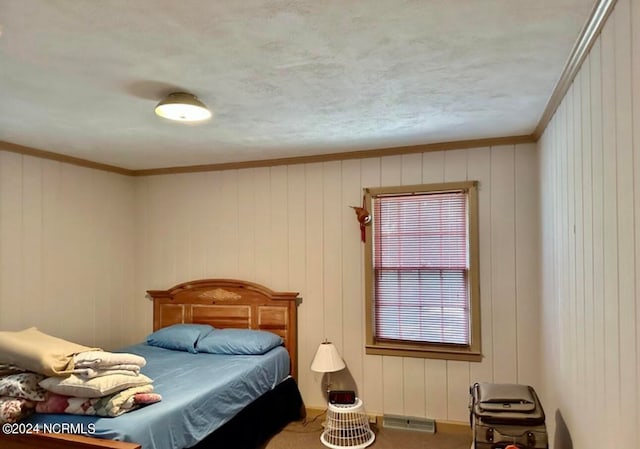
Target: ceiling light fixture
[183,107]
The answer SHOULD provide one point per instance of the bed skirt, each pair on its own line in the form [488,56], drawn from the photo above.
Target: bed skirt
[260,420]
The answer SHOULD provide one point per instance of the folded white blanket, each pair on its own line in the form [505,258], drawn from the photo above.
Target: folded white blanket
[73,385]
[90,373]
[106,360]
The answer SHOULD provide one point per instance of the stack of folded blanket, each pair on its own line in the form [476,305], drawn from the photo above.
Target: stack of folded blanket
[48,375]
[100,383]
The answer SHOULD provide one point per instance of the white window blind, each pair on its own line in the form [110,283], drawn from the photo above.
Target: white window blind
[421,265]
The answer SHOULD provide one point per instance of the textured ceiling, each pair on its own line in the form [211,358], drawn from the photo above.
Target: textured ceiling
[283,78]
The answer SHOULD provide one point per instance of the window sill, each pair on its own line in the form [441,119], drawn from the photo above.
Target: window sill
[425,353]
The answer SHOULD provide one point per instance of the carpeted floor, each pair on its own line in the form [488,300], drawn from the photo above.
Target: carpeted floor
[298,435]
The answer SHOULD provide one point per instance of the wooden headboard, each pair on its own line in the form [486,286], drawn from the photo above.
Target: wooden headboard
[224,303]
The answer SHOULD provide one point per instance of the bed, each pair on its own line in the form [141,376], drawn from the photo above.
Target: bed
[264,404]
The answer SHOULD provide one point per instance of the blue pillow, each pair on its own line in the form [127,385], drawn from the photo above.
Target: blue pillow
[238,342]
[179,337]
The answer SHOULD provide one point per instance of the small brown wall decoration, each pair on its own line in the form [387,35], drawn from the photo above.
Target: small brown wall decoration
[364,218]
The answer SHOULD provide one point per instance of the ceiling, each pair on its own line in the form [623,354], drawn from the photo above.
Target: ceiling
[283,78]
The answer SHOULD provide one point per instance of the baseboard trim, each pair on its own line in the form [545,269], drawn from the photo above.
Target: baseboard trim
[454,427]
[442,426]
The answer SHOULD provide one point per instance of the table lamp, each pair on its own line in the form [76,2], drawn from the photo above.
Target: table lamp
[327,360]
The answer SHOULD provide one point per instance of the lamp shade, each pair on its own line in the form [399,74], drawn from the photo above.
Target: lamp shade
[182,107]
[327,359]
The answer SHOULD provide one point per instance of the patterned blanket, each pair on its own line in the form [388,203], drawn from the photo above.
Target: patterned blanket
[14,409]
[107,406]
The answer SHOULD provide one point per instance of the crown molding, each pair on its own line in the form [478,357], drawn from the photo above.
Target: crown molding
[362,154]
[14,148]
[581,48]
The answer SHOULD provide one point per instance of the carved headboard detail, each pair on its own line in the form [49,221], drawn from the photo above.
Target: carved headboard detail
[225,303]
[219,294]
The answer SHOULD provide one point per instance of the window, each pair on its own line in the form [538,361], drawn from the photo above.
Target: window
[422,279]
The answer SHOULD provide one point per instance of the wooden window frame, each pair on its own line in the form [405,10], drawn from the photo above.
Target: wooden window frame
[471,352]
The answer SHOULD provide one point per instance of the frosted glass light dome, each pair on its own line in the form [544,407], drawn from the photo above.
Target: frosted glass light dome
[183,107]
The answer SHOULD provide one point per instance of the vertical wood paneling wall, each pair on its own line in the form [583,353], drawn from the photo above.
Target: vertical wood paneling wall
[66,250]
[590,198]
[290,228]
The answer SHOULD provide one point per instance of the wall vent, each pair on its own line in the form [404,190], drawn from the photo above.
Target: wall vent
[409,423]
